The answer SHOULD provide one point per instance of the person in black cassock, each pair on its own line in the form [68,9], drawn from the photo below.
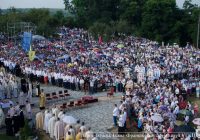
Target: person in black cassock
[23,85]
[16,123]
[9,129]
[17,70]
[21,118]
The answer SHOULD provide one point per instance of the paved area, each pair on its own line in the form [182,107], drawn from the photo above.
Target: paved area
[98,115]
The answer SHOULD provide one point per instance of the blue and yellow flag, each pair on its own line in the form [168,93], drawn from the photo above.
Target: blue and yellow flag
[31,54]
[26,41]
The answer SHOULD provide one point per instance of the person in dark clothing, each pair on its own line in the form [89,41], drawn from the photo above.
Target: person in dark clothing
[23,85]
[53,81]
[95,86]
[31,77]
[21,118]
[9,129]
[38,89]
[17,70]
[16,123]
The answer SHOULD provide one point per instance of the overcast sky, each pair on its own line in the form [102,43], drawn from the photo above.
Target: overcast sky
[48,3]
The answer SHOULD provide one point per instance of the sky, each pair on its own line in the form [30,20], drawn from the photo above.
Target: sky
[4,4]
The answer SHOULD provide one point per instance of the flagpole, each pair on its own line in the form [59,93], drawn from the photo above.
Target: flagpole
[198,32]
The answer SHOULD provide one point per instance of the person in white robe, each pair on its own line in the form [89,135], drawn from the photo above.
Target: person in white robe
[1,91]
[77,126]
[28,110]
[94,137]
[59,129]
[39,120]
[47,117]
[67,126]
[29,97]
[51,125]
[30,92]
[83,128]
[140,77]
[2,117]
[60,114]
[8,90]
[150,75]
[21,99]
[89,134]
[45,113]
[11,111]
[72,131]
[156,73]
[55,110]
[15,89]
[17,107]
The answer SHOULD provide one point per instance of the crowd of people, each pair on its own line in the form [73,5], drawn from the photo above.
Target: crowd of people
[78,62]
[14,118]
[11,88]
[163,100]
[8,85]
[155,79]
[51,121]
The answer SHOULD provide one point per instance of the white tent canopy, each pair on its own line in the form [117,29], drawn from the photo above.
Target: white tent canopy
[38,37]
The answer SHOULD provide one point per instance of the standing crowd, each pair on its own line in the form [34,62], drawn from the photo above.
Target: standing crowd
[156,80]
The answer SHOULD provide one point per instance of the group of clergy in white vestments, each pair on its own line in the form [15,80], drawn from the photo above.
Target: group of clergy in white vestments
[8,86]
[51,121]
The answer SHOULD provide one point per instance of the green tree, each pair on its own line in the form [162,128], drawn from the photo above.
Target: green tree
[158,20]
[1,11]
[131,10]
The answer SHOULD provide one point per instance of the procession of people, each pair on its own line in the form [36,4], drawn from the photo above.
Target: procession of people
[58,125]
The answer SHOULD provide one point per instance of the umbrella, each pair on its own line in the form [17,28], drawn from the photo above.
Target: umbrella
[75,71]
[120,46]
[70,65]
[163,108]
[96,49]
[184,128]
[157,118]
[178,123]
[69,120]
[37,37]
[196,121]
[185,112]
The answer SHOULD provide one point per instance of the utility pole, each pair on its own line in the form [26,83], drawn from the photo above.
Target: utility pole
[198,32]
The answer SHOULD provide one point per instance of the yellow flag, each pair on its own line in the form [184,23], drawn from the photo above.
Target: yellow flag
[31,54]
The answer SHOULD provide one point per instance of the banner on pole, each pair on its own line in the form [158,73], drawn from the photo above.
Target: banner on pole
[26,42]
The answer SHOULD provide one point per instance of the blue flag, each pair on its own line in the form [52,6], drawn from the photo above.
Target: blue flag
[26,42]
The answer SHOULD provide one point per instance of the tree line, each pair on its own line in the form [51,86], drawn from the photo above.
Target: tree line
[45,20]
[159,20]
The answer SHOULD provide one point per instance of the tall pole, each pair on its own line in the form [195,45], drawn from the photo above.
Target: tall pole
[198,32]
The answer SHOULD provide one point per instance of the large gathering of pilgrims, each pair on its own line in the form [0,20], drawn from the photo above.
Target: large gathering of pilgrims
[155,82]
